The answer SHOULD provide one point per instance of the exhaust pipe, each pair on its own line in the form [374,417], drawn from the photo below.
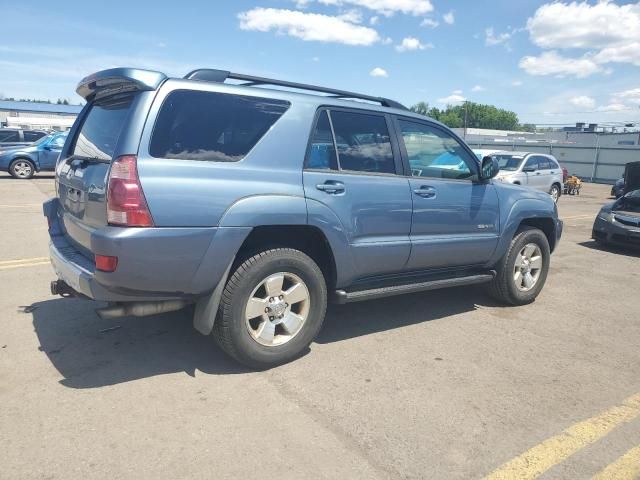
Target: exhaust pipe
[140,309]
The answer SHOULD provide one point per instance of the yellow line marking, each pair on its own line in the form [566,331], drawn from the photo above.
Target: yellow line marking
[20,265]
[23,260]
[627,467]
[24,205]
[537,460]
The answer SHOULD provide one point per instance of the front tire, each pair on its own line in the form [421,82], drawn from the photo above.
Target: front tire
[522,272]
[271,309]
[22,169]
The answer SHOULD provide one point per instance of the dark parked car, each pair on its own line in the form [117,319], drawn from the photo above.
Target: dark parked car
[619,222]
[618,188]
[13,137]
[259,205]
[24,162]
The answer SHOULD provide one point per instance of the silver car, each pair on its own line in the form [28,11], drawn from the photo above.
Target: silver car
[535,170]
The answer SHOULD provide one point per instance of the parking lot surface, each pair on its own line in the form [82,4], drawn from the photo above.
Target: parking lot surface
[438,385]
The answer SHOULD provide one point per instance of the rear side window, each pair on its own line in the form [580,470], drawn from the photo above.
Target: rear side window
[544,163]
[212,126]
[9,135]
[363,142]
[31,136]
[101,129]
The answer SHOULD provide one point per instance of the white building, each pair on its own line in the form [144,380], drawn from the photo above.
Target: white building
[38,116]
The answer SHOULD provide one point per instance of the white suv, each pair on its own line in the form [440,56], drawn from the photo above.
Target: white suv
[535,170]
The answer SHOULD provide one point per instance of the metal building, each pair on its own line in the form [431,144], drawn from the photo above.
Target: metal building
[33,115]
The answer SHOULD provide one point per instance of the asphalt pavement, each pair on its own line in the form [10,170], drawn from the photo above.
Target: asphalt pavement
[439,385]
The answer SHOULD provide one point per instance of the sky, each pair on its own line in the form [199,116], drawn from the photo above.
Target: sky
[550,62]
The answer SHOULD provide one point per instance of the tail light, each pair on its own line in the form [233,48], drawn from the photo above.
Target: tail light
[126,205]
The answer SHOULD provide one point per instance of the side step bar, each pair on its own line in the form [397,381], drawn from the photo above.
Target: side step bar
[342,296]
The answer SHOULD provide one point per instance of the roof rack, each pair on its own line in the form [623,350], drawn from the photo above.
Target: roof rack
[212,75]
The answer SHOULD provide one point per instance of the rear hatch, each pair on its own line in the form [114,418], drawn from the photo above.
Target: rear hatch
[82,175]
[107,128]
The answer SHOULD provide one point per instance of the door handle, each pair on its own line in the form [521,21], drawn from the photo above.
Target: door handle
[425,191]
[331,187]
[537,173]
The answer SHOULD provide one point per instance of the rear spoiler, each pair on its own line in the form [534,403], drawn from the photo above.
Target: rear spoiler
[118,80]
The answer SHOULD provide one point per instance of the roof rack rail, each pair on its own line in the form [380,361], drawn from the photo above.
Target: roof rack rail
[212,75]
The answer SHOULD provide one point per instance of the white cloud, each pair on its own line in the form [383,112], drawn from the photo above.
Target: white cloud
[353,16]
[491,38]
[583,25]
[613,108]
[379,72]
[478,88]
[454,98]
[307,26]
[449,18]
[412,43]
[383,7]
[632,96]
[608,32]
[387,41]
[429,22]
[552,63]
[516,83]
[584,102]
[374,20]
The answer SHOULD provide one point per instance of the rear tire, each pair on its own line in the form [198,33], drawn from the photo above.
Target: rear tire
[271,309]
[22,169]
[522,272]
[555,192]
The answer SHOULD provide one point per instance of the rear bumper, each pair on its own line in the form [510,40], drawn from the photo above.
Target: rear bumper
[153,263]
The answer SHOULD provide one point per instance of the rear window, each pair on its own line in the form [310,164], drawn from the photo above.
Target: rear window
[9,135]
[101,129]
[212,126]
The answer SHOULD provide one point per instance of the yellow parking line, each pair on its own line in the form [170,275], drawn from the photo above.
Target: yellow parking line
[627,467]
[23,260]
[20,265]
[537,460]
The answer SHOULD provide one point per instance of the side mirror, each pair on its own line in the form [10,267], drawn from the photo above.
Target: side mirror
[490,168]
[47,147]
[529,169]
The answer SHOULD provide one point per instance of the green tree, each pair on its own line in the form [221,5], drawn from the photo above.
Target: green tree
[477,115]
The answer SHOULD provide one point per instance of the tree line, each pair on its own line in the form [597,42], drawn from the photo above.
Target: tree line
[477,116]
[60,101]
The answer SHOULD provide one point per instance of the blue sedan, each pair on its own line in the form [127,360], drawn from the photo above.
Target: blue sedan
[24,162]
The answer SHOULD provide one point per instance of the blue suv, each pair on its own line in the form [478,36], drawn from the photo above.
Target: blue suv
[259,205]
[22,162]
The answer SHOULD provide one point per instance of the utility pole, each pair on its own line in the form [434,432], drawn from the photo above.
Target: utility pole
[465,119]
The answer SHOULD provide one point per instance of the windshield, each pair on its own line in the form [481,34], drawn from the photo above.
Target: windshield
[508,162]
[41,140]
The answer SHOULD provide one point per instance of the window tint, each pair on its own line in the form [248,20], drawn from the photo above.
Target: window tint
[532,162]
[212,126]
[553,164]
[101,129]
[434,153]
[323,151]
[363,142]
[31,136]
[543,163]
[9,135]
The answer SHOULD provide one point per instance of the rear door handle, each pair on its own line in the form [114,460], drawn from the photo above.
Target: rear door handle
[331,187]
[425,191]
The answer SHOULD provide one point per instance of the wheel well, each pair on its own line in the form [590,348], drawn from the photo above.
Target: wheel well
[305,238]
[516,183]
[547,225]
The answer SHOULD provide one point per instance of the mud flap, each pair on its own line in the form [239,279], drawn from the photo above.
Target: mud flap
[207,307]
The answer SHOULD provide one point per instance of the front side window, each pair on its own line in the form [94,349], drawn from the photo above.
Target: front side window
[58,142]
[435,153]
[363,142]
[532,163]
[322,154]
[212,126]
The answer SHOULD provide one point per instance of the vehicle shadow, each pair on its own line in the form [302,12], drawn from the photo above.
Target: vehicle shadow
[617,249]
[90,352]
[37,176]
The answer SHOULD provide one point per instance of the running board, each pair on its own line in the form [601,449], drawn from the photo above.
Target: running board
[342,296]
